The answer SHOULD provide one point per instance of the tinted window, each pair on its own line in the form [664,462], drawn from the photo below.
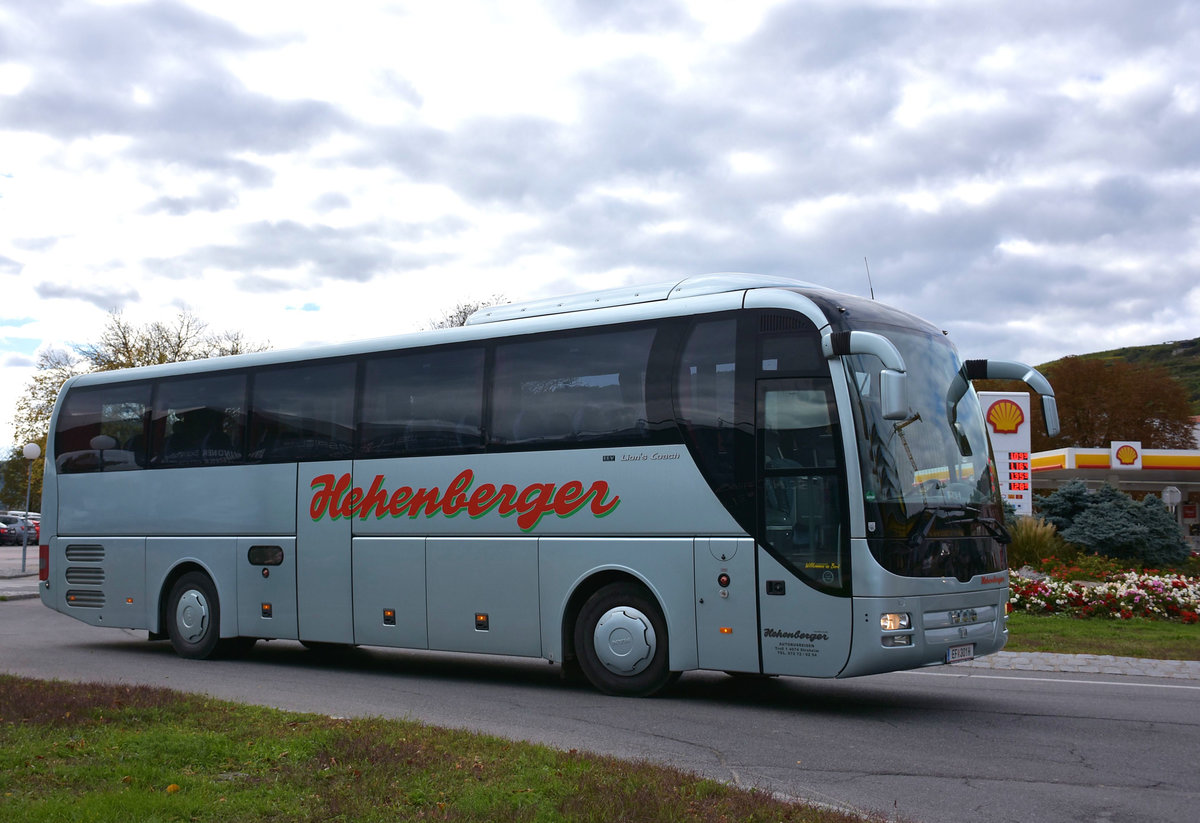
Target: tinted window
[102,429]
[707,376]
[584,387]
[795,353]
[302,413]
[804,519]
[721,442]
[423,402]
[199,421]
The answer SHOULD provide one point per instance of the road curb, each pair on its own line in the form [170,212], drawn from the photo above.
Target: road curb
[1086,664]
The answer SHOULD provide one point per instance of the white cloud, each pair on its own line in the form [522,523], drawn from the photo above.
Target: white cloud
[305,171]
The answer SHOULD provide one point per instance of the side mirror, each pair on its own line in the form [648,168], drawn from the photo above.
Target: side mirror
[1050,412]
[1004,370]
[893,394]
[960,436]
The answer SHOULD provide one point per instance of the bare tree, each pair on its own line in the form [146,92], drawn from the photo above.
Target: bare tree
[121,346]
[458,315]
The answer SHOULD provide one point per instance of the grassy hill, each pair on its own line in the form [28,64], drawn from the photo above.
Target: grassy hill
[1181,359]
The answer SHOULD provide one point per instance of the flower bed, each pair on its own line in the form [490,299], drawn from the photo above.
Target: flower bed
[1121,596]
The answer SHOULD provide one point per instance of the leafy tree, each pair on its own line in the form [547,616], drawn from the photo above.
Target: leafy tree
[1100,401]
[13,472]
[31,422]
[458,315]
[121,346]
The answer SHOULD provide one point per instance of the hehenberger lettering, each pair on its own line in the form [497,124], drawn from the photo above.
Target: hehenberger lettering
[334,496]
[796,635]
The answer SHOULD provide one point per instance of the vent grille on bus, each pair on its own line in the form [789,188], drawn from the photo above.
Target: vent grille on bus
[85,599]
[85,553]
[779,322]
[85,576]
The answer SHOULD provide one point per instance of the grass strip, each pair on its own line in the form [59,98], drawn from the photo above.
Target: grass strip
[1136,637]
[92,752]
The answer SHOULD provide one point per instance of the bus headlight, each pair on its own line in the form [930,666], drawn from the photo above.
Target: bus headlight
[895,622]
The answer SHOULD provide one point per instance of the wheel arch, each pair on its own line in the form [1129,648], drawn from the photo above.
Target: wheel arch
[158,631]
[584,589]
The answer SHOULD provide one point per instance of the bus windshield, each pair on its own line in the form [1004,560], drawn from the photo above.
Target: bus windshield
[930,492]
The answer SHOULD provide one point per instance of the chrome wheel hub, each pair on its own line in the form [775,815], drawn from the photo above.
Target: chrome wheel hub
[624,641]
[191,616]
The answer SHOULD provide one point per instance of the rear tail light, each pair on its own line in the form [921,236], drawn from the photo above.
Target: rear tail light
[43,563]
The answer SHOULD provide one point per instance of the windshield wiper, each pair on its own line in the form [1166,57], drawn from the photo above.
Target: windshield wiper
[954,516]
[996,529]
[947,515]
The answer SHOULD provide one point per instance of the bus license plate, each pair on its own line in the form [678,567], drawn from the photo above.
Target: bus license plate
[955,654]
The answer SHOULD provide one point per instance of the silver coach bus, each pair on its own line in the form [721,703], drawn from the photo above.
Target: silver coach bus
[732,472]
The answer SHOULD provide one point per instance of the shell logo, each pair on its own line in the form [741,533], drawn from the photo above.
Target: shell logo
[1005,416]
[1127,455]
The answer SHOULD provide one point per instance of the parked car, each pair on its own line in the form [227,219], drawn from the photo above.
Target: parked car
[13,530]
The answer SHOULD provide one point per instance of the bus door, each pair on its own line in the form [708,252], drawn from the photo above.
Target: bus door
[803,576]
[323,567]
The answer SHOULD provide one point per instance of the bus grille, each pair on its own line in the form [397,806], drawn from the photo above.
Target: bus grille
[85,576]
[85,553]
[779,322]
[85,599]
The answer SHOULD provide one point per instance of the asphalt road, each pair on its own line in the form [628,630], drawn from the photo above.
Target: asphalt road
[953,745]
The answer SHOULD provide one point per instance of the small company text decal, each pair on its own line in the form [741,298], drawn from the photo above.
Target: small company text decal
[796,635]
[333,496]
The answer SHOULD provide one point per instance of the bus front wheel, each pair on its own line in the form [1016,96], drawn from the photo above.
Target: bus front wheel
[621,641]
[194,616]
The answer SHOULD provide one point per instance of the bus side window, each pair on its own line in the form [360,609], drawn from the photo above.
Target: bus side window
[303,413]
[718,427]
[101,428]
[199,421]
[426,401]
[706,395]
[588,386]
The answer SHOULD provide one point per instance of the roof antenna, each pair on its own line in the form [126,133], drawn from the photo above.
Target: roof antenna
[869,284]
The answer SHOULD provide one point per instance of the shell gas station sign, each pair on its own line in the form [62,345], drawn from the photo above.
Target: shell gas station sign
[1008,423]
[1125,454]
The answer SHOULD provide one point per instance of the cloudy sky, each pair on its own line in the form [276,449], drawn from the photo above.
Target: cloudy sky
[1024,174]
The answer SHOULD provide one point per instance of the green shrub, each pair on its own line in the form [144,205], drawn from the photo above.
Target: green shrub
[1064,504]
[1035,541]
[1110,523]
[1190,567]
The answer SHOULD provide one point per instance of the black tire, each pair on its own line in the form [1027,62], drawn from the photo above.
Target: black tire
[194,617]
[632,657]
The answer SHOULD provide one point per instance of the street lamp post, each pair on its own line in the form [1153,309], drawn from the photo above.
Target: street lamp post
[32,452]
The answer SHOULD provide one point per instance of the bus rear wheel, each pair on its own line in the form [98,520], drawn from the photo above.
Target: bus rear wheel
[621,641]
[194,620]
